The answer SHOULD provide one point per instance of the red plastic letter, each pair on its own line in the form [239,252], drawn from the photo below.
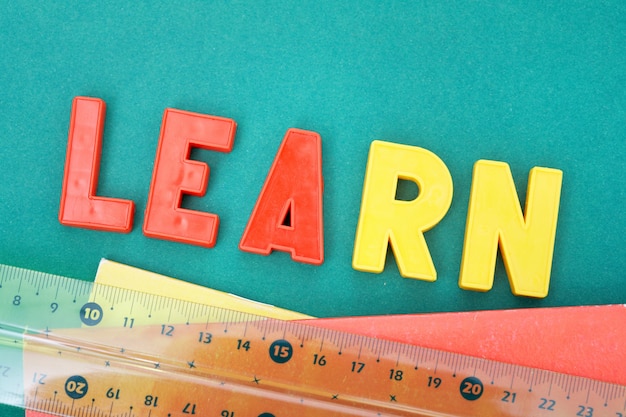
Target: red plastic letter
[288,214]
[174,174]
[79,205]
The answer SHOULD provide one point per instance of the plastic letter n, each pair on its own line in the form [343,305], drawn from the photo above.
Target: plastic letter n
[526,240]
[175,174]
[80,206]
[288,213]
[385,220]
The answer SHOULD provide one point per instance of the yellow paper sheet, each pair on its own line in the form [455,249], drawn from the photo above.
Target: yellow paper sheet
[123,276]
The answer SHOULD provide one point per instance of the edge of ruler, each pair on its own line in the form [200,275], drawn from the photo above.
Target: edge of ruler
[583,341]
[578,340]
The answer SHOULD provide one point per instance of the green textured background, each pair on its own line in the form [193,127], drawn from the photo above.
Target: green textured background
[516,81]
[519,82]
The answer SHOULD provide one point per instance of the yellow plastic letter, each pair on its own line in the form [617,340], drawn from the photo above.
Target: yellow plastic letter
[526,240]
[384,219]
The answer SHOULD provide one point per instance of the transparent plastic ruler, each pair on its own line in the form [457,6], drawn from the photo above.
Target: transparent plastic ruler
[75,348]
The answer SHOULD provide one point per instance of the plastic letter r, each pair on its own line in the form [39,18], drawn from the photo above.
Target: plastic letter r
[384,220]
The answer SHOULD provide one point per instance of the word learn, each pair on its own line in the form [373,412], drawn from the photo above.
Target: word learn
[288,213]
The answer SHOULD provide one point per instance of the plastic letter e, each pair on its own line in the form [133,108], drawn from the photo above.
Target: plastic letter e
[174,174]
[80,206]
[384,220]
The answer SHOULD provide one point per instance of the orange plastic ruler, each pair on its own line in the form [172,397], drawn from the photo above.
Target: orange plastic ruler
[75,348]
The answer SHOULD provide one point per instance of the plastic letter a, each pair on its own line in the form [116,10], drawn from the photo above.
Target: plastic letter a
[288,213]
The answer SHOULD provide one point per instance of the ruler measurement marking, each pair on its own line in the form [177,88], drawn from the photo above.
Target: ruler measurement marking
[340,344]
[56,293]
[569,390]
[304,336]
[200,313]
[9,274]
[452,363]
[534,378]
[414,356]
[192,312]
[208,318]
[73,289]
[379,349]
[526,378]
[151,307]
[613,393]
[498,372]
[502,372]
[622,394]
[219,315]
[420,358]
[37,282]
[487,369]
[563,384]
[177,308]
[42,282]
[61,408]
[344,343]
[140,299]
[606,393]
[542,377]
[455,363]
[115,296]
[409,356]
[459,363]
[356,341]
[550,387]
[571,387]
[132,305]
[438,359]
[188,310]
[495,371]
